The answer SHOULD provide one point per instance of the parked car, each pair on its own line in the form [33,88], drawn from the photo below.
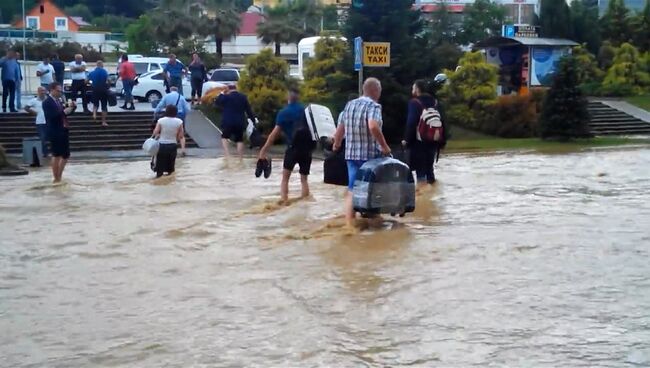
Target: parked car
[143,65]
[67,83]
[151,87]
[220,77]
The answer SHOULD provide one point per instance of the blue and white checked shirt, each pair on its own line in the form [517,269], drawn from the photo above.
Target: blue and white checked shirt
[359,143]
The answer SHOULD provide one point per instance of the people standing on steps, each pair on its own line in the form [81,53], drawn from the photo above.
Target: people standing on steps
[35,107]
[100,90]
[235,108]
[174,98]
[10,77]
[45,71]
[198,75]
[423,154]
[299,150]
[78,74]
[169,131]
[174,72]
[127,72]
[56,120]
[19,84]
[59,69]
[360,125]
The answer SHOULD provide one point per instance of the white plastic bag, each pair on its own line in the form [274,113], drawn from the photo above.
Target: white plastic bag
[249,129]
[151,146]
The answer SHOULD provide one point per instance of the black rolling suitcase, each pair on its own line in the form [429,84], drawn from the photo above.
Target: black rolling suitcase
[384,185]
[335,169]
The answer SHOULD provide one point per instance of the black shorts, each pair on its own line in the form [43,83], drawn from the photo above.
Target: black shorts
[59,143]
[100,98]
[293,157]
[233,133]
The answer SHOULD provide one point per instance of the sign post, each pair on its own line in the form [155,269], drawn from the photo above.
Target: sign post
[358,60]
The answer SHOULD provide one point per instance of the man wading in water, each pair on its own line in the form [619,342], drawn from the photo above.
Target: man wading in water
[360,124]
[291,122]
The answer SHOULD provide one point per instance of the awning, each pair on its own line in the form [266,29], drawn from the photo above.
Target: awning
[525,41]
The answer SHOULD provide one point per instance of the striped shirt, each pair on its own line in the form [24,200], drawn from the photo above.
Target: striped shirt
[359,143]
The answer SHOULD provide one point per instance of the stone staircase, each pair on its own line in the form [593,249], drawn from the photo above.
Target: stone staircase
[606,120]
[126,131]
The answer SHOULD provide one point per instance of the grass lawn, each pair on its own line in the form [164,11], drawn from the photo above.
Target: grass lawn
[500,144]
[640,101]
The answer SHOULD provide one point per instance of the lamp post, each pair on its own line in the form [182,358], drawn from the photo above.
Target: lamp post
[24,25]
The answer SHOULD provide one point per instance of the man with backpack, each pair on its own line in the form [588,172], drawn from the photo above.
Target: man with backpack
[426,131]
[292,123]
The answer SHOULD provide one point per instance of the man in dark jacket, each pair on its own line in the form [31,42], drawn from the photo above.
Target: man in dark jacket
[236,108]
[423,154]
[56,120]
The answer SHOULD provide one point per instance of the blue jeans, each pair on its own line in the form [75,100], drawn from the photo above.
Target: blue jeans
[128,90]
[19,97]
[42,135]
[353,167]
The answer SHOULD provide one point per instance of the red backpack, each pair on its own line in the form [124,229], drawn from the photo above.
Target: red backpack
[430,128]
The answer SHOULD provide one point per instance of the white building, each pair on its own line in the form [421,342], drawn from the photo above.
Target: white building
[519,11]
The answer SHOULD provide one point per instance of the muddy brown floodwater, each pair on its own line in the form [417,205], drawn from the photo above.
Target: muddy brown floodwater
[511,260]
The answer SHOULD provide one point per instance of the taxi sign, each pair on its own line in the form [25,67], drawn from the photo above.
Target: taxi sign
[376,54]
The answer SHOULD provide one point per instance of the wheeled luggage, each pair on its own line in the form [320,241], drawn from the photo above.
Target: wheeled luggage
[320,121]
[384,185]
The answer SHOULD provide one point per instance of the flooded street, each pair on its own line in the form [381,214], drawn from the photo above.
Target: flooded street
[518,260]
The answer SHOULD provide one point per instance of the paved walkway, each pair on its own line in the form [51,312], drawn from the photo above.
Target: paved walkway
[627,108]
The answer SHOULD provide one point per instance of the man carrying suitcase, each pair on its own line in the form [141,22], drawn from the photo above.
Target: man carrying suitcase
[360,124]
[291,122]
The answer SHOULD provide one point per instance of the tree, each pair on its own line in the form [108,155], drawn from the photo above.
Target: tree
[585,27]
[564,113]
[587,66]
[615,23]
[279,28]
[471,89]
[265,81]
[222,21]
[606,55]
[393,21]
[627,74]
[483,19]
[555,19]
[79,10]
[641,26]
[442,27]
[139,35]
[321,75]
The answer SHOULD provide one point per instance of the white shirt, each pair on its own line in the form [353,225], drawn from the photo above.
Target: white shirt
[78,75]
[48,70]
[169,129]
[36,104]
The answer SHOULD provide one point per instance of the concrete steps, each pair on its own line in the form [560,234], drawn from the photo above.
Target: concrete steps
[126,131]
[606,120]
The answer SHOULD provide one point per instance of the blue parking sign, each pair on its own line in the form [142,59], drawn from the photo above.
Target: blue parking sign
[358,53]
[508,30]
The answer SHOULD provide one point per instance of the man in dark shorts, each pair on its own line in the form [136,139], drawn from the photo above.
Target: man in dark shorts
[291,122]
[99,79]
[235,107]
[56,120]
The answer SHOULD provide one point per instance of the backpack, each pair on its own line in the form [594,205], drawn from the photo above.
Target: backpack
[302,139]
[430,128]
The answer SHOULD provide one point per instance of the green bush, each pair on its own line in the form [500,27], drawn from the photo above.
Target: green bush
[515,116]
[321,77]
[471,92]
[627,75]
[564,114]
[266,81]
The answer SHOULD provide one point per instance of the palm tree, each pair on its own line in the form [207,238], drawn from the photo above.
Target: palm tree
[221,20]
[281,25]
